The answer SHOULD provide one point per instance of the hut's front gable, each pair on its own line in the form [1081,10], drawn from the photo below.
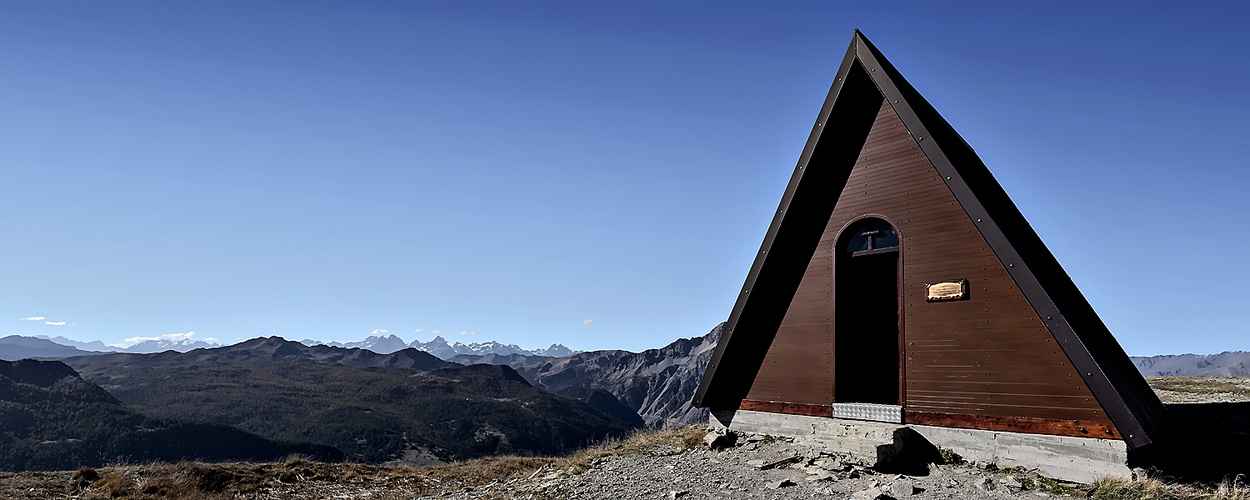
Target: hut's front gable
[981,361]
[899,283]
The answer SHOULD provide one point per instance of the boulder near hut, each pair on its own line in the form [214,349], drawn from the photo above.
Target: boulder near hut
[899,291]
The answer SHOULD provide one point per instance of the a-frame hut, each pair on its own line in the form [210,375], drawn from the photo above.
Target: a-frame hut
[898,285]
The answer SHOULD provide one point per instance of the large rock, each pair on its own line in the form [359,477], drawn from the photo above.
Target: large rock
[902,487]
[719,439]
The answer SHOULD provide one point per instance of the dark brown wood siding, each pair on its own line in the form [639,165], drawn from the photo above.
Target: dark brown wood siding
[799,365]
[987,356]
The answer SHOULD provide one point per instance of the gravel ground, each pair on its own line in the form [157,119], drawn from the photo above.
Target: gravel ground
[660,471]
[741,473]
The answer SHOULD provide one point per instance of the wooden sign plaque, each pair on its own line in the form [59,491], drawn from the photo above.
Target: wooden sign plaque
[946,290]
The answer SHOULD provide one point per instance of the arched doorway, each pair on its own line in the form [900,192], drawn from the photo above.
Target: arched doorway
[866,308]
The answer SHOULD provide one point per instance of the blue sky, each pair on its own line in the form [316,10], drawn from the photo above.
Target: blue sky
[598,174]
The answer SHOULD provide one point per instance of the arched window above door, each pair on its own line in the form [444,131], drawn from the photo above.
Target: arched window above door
[869,237]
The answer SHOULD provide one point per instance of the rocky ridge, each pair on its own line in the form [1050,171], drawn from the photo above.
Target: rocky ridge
[656,383]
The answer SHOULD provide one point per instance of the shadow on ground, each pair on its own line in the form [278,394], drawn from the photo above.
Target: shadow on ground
[1203,442]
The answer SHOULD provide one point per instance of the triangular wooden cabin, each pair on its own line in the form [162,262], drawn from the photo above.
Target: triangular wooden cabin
[898,283]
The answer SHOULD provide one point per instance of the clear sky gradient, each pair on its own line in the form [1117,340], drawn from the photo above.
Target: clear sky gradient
[598,174]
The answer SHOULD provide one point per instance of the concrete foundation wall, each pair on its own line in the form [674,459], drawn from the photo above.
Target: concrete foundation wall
[1060,457]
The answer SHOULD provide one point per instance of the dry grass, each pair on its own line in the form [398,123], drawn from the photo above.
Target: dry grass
[663,442]
[1154,489]
[1041,483]
[298,477]
[1203,385]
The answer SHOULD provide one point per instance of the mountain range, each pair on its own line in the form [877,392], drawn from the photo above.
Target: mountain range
[443,349]
[377,401]
[406,406]
[15,347]
[1228,363]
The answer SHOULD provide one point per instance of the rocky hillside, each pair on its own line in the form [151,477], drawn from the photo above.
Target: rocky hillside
[53,419]
[658,384]
[405,406]
[1227,364]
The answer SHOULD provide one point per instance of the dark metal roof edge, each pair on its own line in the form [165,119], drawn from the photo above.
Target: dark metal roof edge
[778,217]
[902,96]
